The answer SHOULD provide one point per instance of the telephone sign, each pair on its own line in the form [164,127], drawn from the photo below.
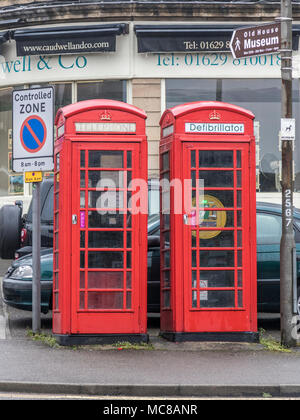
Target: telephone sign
[33,123]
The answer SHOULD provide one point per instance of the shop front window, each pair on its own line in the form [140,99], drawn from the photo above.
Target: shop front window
[62,93]
[263,98]
[106,89]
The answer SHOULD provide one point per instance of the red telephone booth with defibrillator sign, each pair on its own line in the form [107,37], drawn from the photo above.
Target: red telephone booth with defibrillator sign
[100,233]
[208,223]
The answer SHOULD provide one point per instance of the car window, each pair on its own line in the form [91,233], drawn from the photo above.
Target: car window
[47,212]
[268,229]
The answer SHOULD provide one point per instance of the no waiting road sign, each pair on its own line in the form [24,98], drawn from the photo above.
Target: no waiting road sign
[256,40]
[33,120]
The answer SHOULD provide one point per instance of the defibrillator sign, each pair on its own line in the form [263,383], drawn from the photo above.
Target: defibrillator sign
[33,125]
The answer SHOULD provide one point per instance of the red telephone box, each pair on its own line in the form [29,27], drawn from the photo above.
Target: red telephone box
[208,223]
[100,240]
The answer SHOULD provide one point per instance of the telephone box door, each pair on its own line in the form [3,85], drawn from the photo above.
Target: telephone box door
[105,250]
[217,283]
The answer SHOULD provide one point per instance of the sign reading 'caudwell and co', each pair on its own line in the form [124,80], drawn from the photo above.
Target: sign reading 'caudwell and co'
[33,119]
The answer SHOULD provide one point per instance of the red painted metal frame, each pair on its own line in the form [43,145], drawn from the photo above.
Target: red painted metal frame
[180,316]
[68,317]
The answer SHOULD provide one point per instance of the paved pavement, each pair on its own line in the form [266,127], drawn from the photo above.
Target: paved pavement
[162,369]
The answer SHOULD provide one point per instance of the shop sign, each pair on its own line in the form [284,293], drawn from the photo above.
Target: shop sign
[256,40]
[33,119]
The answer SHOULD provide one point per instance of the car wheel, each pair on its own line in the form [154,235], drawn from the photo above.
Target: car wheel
[10,230]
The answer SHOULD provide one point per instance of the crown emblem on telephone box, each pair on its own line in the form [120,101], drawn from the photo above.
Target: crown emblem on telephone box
[214,115]
[105,116]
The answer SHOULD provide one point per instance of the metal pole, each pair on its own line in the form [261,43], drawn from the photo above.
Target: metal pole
[287,244]
[36,258]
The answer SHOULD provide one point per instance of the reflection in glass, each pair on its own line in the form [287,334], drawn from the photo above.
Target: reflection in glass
[105,159]
[217,178]
[106,179]
[106,220]
[220,258]
[105,259]
[216,278]
[218,299]
[105,279]
[216,158]
[102,239]
[105,300]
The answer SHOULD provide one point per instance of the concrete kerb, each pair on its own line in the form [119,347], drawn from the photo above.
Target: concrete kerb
[188,391]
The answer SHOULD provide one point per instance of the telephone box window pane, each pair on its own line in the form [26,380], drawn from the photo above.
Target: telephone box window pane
[219,198]
[193,176]
[166,298]
[239,179]
[105,259]
[128,259]
[105,279]
[129,179]
[106,179]
[128,300]
[217,178]
[210,239]
[216,158]
[128,240]
[194,299]
[240,298]
[240,258]
[105,159]
[239,198]
[193,158]
[56,301]
[166,259]
[194,279]
[105,300]
[238,159]
[239,218]
[82,199]
[194,259]
[82,158]
[166,220]
[129,159]
[240,278]
[106,199]
[218,299]
[239,238]
[100,239]
[165,161]
[82,279]
[82,179]
[81,300]
[108,220]
[216,258]
[217,219]
[166,277]
[82,239]
[128,280]
[82,259]
[216,278]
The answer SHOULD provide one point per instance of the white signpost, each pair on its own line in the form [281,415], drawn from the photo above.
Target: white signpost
[33,125]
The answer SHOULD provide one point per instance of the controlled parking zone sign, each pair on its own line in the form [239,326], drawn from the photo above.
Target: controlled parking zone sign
[33,128]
